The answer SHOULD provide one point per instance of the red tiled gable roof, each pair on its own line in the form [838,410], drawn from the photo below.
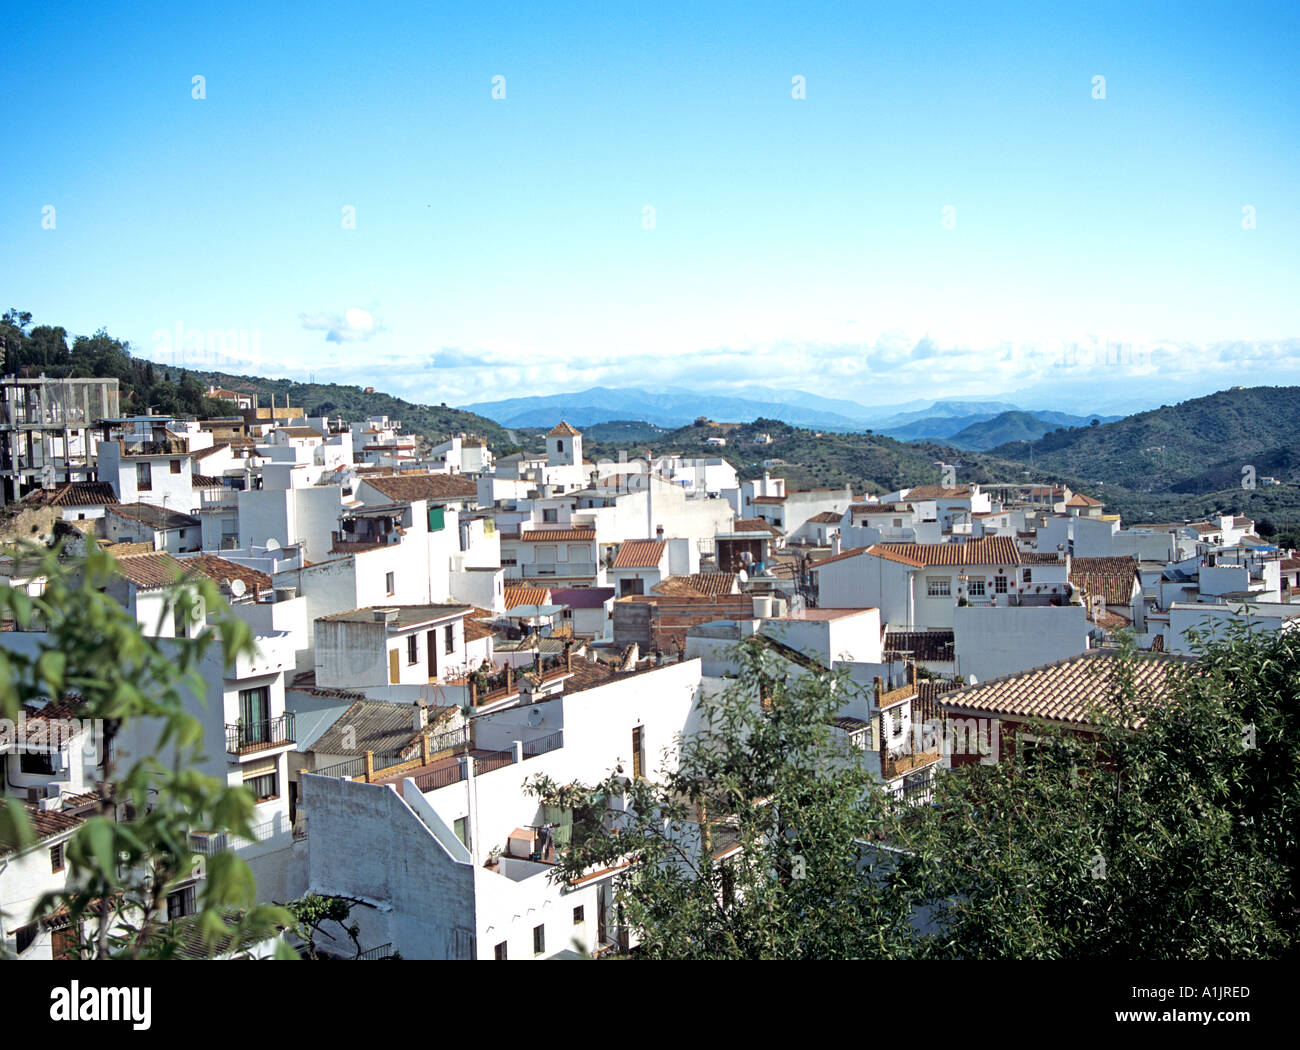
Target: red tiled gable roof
[562,429]
[581,535]
[1080,500]
[126,547]
[1065,691]
[476,630]
[154,517]
[991,550]
[1112,578]
[223,571]
[826,517]
[768,499]
[151,572]
[300,432]
[939,492]
[1041,558]
[527,596]
[754,525]
[639,554]
[206,481]
[701,584]
[921,645]
[406,487]
[852,553]
[1241,523]
[46,824]
[882,508]
[74,494]
[204,453]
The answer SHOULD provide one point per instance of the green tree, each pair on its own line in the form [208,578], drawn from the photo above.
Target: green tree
[123,859]
[1168,835]
[751,847]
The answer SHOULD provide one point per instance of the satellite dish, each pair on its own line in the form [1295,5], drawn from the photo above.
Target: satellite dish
[238,588]
[742,576]
[273,544]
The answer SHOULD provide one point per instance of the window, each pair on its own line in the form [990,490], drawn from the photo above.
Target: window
[176,466]
[938,586]
[143,477]
[1026,575]
[255,713]
[412,649]
[579,915]
[25,936]
[999,585]
[977,587]
[462,830]
[539,940]
[56,857]
[551,515]
[898,523]
[389,581]
[449,639]
[36,763]
[178,622]
[264,786]
[180,903]
[501,954]
[559,445]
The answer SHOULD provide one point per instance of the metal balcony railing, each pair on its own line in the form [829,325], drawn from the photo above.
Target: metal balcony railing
[244,737]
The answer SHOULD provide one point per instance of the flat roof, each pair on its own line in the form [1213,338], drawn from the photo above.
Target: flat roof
[404,615]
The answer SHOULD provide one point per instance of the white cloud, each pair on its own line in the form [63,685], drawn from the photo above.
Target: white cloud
[355,325]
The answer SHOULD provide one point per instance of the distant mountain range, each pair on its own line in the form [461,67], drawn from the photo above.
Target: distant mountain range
[964,424]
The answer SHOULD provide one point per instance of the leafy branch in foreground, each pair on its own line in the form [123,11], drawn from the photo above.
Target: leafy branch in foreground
[752,845]
[122,859]
[1169,834]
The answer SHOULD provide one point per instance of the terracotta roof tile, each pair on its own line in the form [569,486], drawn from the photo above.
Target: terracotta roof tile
[576,535]
[74,494]
[46,824]
[921,645]
[154,517]
[939,492]
[412,486]
[1065,691]
[151,572]
[219,569]
[754,525]
[1112,578]
[700,584]
[527,596]
[562,429]
[639,554]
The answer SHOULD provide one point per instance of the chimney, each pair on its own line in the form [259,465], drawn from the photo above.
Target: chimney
[421,719]
[836,543]
[659,532]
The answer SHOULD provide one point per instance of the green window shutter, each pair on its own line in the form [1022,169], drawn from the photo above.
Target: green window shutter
[436,521]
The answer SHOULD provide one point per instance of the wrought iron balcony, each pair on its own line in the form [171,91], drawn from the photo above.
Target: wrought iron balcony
[245,737]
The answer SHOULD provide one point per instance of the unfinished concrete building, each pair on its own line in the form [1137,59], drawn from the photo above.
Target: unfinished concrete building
[46,431]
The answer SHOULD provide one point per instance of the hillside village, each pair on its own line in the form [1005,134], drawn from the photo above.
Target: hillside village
[438,626]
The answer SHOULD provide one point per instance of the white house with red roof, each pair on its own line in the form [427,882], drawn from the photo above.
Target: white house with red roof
[918,586]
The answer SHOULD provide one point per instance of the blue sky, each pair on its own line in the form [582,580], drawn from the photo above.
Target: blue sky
[503,247]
